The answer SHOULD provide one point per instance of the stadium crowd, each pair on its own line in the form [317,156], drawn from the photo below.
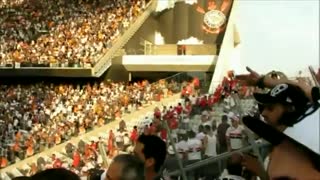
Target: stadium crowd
[197,134]
[44,33]
[35,117]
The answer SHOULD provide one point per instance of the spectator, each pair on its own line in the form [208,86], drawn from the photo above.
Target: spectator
[194,153]
[210,142]
[41,35]
[289,104]
[182,146]
[134,134]
[281,107]
[54,174]
[210,150]
[289,158]
[254,79]
[222,130]
[125,167]
[152,151]
[52,113]
[235,134]
[200,135]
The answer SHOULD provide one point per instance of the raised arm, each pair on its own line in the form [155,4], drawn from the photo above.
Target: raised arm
[255,79]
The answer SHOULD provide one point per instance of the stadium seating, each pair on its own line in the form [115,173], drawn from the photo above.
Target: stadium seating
[37,33]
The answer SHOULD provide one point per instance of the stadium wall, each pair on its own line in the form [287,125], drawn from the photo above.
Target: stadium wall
[226,50]
[117,72]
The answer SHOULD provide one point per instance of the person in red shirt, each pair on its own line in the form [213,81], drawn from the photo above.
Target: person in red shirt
[76,159]
[93,145]
[179,108]
[134,134]
[188,108]
[163,134]
[173,123]
[217,94]
[211,101]
[203,103]
[196,84]
[189,90]
[157,113]
[111,147]
[184,92]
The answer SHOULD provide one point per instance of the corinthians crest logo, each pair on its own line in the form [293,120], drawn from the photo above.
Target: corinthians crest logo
[214,19]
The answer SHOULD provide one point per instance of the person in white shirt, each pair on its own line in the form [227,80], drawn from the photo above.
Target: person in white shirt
[194,153]
[211,171]
[119,138]
[209,142]
[200,135]
[182,146]
[126,141]
[235,135]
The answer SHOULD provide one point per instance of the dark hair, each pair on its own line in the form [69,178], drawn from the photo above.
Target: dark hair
[154,147]
[207,128]
[95,174]
[21,178]
[191,134]
[54,174]
[132,167]
[224,118]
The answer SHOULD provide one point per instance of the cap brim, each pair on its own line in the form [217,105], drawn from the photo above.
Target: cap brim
[276,137]
[264,98]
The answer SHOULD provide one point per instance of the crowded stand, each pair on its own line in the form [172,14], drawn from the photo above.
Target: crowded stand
[38,33]
[36,117]
[202,126]
[200,130]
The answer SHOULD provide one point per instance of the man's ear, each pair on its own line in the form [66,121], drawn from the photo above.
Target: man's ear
[149,162]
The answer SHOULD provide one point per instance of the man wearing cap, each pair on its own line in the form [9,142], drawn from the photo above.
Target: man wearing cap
[282,107]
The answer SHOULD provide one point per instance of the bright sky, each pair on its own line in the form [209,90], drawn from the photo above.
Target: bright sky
[279,34]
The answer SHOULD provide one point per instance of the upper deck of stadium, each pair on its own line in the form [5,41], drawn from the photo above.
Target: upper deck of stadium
[131,31]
